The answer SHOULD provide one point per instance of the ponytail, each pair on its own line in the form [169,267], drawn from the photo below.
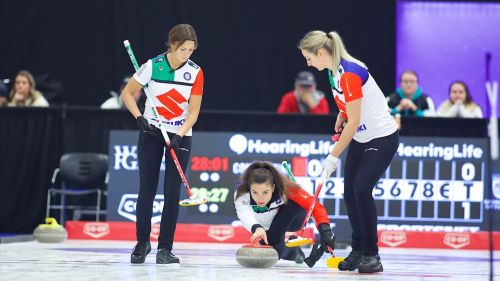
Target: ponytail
[331,42]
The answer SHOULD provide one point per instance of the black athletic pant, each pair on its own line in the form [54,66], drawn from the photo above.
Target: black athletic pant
[150,152]
[289,218]
[364,165]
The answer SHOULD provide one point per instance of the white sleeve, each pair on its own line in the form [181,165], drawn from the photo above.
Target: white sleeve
[475,113]
[431,111]
[452,111]
[245,212]
[40,102]
[144,73]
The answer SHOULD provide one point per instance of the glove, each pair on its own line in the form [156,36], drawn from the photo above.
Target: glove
[315,255]
[144,125]
[327,236]
[175,143]
[329,166]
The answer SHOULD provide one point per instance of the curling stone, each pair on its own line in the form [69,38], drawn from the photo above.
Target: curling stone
[333,262]
[51,232]
[257,256]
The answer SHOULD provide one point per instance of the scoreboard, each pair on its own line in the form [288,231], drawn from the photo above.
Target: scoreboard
[432,184]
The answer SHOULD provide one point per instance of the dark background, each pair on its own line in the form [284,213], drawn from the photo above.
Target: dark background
[247,48]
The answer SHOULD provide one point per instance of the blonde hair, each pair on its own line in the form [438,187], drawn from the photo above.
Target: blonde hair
[31,82]
[331,42]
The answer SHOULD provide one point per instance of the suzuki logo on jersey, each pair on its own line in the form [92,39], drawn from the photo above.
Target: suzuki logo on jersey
[361,128]
[457,240]
[393,238]
[96,229]
[126,157]
[127,207]
[171,100]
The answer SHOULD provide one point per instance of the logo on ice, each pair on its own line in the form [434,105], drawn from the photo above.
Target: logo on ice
[393,238]
[220,232]
[127,207]
[457,240]
[241,144]
[155,231]
[96,229]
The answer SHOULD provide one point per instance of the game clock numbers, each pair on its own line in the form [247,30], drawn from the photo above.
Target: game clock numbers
[213,195]
[214,164]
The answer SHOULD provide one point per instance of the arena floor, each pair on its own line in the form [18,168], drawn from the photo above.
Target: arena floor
[109,260]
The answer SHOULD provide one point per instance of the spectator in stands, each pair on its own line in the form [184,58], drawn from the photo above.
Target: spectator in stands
[304,98]
[24,92]
[460,103]
[4,95]
[409,100]
[116,102]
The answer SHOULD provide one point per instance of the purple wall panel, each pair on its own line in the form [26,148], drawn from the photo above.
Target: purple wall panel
[443,42]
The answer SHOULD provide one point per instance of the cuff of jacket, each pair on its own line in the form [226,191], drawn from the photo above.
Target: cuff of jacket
[255,226]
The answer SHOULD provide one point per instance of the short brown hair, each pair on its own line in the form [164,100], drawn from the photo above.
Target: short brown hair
[180,34]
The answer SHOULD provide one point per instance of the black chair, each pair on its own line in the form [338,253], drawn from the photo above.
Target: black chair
[79,174]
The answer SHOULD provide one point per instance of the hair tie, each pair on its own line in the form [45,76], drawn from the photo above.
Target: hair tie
[328,35]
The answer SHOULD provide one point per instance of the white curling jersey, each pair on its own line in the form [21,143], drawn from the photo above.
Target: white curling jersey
[170,90]
[351,82]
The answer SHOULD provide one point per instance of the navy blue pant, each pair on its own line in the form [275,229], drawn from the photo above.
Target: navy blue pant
[150,153]
[289,218]
[364,165]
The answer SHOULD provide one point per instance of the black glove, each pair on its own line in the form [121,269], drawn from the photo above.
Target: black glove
[315,255]
[144,125]
[175,143]
[327,237]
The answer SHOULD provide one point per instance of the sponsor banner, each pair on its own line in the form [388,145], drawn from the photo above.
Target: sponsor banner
[438,240]
[222,233]
[184,232]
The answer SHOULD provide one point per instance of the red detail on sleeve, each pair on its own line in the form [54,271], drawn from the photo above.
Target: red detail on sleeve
[340,104]
[351,86]
[197,88]
[344,114]
[305,200]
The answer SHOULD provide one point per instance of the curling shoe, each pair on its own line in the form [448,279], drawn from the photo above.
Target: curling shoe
[370,264]
[141,250]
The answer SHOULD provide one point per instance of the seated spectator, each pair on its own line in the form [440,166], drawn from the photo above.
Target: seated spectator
[115,101]
[24,92]
[304,98]
[409,100]
[4,94]
[460,103]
